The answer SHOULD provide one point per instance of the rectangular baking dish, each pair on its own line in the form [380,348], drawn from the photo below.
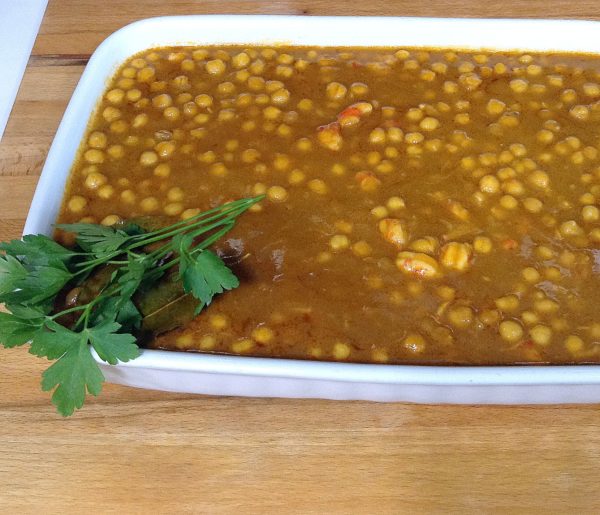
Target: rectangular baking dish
[248,376]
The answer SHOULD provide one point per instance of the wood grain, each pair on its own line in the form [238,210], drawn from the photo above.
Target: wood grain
[136,451]
[86,23]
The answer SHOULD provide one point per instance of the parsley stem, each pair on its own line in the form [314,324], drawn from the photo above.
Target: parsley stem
[206,216]
[225,216]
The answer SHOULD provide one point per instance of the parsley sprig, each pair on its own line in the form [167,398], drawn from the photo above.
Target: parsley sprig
[36,271]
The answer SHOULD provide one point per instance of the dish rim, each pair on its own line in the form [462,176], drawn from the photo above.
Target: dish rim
[38,219]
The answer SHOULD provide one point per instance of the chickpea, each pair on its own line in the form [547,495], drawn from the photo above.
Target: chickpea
[377,136]
[280,97]
[97,139]
[133,95]
[470,81]
[106,192]
[533,205]
[482,245]
[94,156]
[508,303]
[539,179]
[125,83]
[175,194]
[305,105]
[519,85]
[456,256]
[263,335]
[203,101]
[341,350]
[510,331]
[140,121]
[284,71]
[330,138]
[162,170]
[318,186]
[590,214]
[418,264]
[296,177]
[359,89]
[414,343]
[429,123]
[495,107]
[460,316]
[218,170]
[579,112]
[110,220]
[226,89]
[393,231]
[148,158]
[226,115]
[129,72]
[189,213]
[200,54]
[271,113]
[414,138]
[215,67]
[573,344]
[427,75]
[128,196]
[240,60]
[531,275]
[339,242]
[489,317]
[146,74]
[414,114]
[427,245]
[336,91]
[489,184]
[361,249]
[77,204]
[94,180]
[545,306]
[241,346]
[119,127]
[281,162]
[164,149]
[115,96]
[162,101]
[541,334]
[570,228]
[149,204]
[172,113]
[207,342]
[508,202]
[277,194]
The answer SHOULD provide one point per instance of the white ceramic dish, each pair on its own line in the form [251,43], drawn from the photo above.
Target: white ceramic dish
[230,375]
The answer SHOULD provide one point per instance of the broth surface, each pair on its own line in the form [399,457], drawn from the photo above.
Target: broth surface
[422,205]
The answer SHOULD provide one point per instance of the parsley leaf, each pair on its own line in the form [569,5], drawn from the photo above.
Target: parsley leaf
[53,340]
[111,346]
[114,309]
[97,239]
[132,278]
[73,374]
[37,249]
[37,285]
[204,274]
[15,331]
[12,272]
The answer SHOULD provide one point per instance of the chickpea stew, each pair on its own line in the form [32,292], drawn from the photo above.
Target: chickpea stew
[429,206]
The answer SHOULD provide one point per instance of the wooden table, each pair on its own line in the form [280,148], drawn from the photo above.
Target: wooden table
[136,451]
